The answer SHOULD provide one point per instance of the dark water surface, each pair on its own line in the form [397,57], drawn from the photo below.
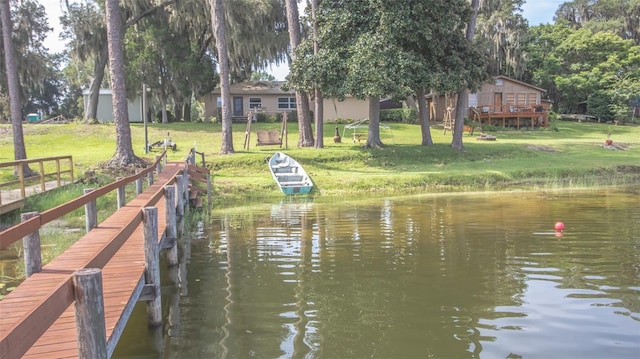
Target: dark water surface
[448,276]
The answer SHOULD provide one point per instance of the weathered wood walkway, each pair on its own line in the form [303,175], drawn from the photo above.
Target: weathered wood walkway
[37,319]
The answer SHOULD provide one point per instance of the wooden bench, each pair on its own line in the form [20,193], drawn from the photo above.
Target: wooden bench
[268,138]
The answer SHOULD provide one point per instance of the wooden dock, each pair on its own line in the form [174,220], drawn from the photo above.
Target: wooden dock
[38,318]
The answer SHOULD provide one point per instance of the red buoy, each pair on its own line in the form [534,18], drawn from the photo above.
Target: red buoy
[559,226]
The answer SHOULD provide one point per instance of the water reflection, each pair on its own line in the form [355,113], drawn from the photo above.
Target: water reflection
[419,277]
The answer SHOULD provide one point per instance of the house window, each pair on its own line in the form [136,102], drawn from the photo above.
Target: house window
[219,102]
[473,100]
[286,103]
[498,82]
[255,102]
[532,99]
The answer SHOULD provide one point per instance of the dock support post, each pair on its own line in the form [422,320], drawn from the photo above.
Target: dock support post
[209,193]
[31,246]
[185,188]
[171,229]
[138,185]
[158,165]
[193,157]
[152,263]
[90,212]
[89,313]
[180,199]
[121,194]
[150,178]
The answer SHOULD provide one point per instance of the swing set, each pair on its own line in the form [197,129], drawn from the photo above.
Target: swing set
[267,137]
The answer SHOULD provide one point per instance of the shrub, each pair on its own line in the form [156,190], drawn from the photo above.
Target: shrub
[170,116]
[400,115]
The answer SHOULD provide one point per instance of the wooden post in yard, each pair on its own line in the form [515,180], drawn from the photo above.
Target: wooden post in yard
[90,212]
[171,229]
[89,313]
[31,247]
[121,194]
[152,263]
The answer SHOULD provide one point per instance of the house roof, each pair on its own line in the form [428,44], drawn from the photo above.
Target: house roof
[256,88]
[520,82]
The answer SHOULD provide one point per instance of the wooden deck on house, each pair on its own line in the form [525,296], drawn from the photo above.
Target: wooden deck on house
[123,278]
[511,116]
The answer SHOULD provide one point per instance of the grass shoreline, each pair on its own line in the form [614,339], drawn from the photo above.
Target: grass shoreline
[567,155]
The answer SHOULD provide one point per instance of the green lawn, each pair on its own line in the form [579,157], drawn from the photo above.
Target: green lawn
[569,155]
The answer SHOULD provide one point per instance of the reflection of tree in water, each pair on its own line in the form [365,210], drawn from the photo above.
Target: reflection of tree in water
[437,276]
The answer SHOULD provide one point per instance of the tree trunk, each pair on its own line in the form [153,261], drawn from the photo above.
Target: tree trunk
[373,139]
[19,149]
[423,115]
[411,102]
[319,117]
[319,103]
[94,94]
[124,155]
[302,100]
[463,95]
[186,111]
[304,120]
[219,29]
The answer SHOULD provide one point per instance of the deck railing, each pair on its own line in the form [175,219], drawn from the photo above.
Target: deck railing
[487,109]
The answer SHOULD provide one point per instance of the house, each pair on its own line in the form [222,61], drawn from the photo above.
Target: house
[105,107]
[504,101]
[271,98]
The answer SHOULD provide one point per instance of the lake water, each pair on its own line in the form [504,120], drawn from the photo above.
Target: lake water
[438,276]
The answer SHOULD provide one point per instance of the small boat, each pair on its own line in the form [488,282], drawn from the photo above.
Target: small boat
[289,174]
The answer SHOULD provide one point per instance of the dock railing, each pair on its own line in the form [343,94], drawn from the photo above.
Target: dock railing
[33,224]
[17,339]
[44,164]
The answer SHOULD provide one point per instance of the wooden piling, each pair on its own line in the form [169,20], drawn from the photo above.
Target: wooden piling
[179,199]
[138,185]
[90,212]
[121,193]
[185,189]
[89,313]
[150,178]
[171,229]
[209,201]
[152,270]
[31,247]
